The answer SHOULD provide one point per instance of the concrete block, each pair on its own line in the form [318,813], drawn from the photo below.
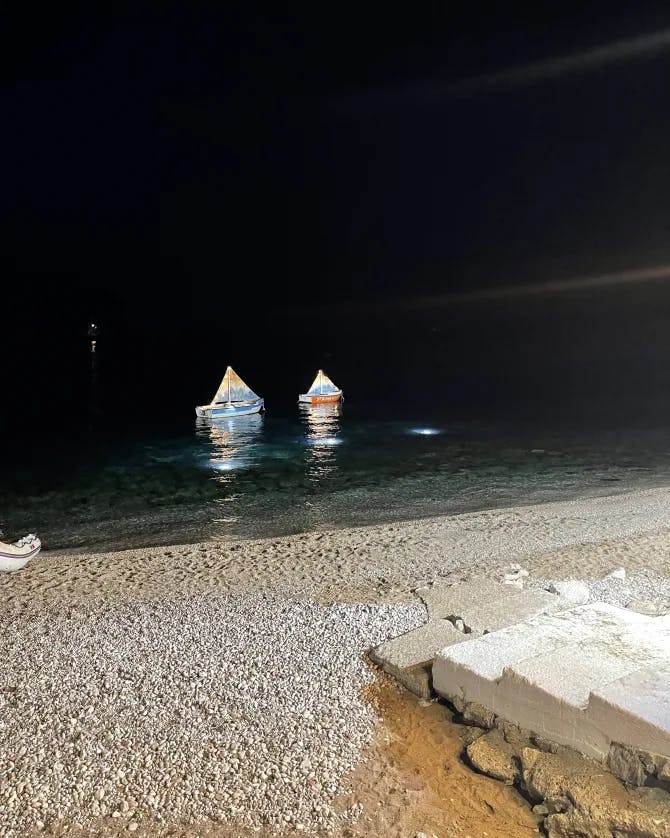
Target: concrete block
[445,600]
[635,709]
[409,657]
[485,606]
[549,693]
[472,674]
[539,674]
[512,607]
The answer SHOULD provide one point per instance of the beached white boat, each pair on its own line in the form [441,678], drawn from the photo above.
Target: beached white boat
[322,391]
[233,398]
[15,556]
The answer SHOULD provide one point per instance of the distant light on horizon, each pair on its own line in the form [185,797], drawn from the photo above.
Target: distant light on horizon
[326,440]
[425,431]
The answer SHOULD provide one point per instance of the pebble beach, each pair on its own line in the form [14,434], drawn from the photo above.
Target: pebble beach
[222,686]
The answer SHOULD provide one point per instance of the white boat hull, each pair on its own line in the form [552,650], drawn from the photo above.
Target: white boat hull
[225,410]
[14,557]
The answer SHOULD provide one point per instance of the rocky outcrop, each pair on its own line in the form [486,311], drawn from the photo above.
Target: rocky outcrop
[639,768]
[576,796]
[585,801]
[493,756]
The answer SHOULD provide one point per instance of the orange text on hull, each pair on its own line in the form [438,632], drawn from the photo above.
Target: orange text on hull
[326,399]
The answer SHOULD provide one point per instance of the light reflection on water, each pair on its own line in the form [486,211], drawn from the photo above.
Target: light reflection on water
[233,444]
[323,429]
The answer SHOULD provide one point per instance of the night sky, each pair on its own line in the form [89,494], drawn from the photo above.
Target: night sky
[348,186]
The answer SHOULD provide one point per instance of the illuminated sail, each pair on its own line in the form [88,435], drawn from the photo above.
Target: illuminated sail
[233,389]
[322,386]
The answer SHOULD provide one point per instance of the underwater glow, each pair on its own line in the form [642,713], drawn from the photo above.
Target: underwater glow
[325,440]
[425,431]
[225,465]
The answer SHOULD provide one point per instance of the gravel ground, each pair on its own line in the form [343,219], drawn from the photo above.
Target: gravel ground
[245,709]
[646,591]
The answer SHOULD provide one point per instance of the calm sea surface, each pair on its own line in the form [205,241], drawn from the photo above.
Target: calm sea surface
[319,468]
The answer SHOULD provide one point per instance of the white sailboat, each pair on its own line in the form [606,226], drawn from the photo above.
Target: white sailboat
[322,391]
[233,398]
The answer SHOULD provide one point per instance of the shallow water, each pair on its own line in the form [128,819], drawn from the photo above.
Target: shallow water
[324,467]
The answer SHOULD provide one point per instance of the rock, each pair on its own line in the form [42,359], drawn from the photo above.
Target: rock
[132,826]
[539,781]
[513,735]
[575,826]
[571,592]
[626,764]
[491,755]
[638,768]
[514,575]
[540,809]
[478,715]
[546,744]
[588,802]
[470,734]
[652,607]
[655,793]
[459,704]
[486,606]
[619,573]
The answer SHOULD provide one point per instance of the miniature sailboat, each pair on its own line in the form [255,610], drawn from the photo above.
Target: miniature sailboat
[16,556]
[322,391]
[233,398]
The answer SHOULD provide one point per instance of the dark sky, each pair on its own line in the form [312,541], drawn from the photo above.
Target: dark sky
[230,167]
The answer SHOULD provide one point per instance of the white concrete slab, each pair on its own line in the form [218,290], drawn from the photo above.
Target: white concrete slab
[635,710]
[549,693]
[484,605]
[417,646]
[540,674]
[472,673]
[409,657]
[444,600]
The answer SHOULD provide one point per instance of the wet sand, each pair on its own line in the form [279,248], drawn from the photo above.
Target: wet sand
[584,537]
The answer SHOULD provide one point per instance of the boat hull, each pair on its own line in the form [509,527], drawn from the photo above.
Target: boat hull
[330,398]
[11,561]
[223,411]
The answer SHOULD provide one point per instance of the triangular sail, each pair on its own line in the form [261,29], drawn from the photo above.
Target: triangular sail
[233,389]
[322,386]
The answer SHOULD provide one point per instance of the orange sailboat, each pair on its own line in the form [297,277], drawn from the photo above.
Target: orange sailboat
[322,391]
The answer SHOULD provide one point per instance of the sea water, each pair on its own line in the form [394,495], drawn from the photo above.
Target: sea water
[317,468]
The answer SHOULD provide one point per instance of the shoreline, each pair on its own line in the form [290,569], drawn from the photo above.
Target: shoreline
[420,497]
[377,562]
